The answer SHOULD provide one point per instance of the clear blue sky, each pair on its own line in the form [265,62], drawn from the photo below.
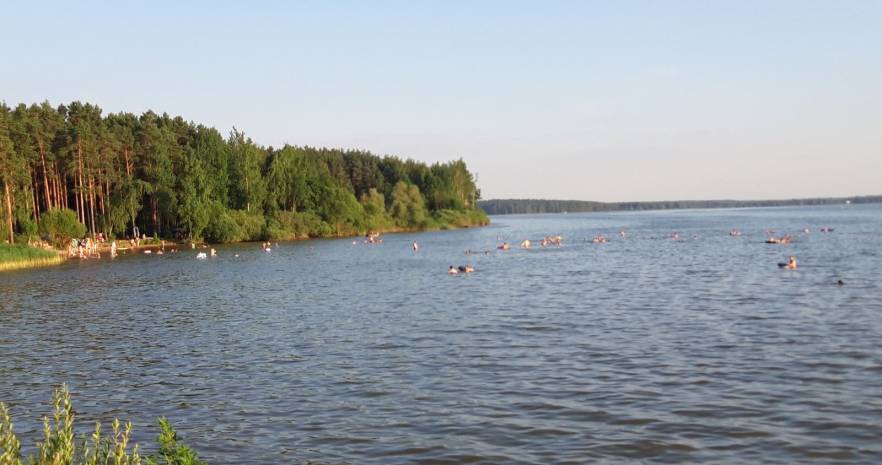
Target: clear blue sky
[578,100]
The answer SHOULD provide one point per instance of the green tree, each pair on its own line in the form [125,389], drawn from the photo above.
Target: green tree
[194,192]
[408,207]
[60,226]
[247,181]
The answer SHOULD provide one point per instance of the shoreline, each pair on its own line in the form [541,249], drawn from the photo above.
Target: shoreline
[502,207]
[104,248]
[13,265]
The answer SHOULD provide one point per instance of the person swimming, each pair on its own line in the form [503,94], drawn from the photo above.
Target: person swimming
[790,265]
[466,269]
[416,247]
[452,270]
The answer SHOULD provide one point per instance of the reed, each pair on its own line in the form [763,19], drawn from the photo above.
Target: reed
[60,446]
[14,257]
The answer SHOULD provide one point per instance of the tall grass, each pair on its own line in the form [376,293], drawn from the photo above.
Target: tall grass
[60,446]
[18,256]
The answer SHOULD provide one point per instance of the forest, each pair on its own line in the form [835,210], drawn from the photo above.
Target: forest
[526,206]
[119,174]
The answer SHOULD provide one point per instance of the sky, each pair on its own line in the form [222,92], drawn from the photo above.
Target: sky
[589,100]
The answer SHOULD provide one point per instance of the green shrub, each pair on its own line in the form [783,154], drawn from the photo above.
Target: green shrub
[251,225]
[221,227]
[60,447]
[171,451]
[29,230]
[61,225]
[301,225]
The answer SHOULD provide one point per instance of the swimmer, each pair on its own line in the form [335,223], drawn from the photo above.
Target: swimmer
[790,265]
[416,247]
[525,244]
[840,283]
[213,253]
[504,246]
[452,270]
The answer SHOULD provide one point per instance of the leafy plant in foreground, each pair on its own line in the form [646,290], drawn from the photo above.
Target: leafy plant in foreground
[60,447]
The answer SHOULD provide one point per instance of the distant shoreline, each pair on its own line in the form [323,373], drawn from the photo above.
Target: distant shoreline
[539,206]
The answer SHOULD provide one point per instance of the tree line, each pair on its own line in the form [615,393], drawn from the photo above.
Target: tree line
[167,177]
[527,206]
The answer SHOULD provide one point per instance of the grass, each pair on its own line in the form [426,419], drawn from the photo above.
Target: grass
[13,257]
[61,447]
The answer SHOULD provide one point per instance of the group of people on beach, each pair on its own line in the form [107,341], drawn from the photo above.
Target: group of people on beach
[83,248]
[372,238]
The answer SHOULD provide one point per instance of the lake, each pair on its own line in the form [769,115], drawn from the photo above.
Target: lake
[643,349]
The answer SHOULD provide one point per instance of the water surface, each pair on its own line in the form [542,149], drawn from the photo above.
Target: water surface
[644,349]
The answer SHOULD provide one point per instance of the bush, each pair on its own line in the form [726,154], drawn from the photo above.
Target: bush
[250,225]
[59,445]
[29,230]
[300,225]
[221,227]
[60,225]
[445,219]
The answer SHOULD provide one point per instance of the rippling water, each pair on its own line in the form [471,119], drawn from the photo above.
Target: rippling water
[643,349]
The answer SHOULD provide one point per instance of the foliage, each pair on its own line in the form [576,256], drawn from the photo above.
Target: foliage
[166,177]
[9,253]
[60,446]
[171,451]
[408,208]
[22,256]
[60,226]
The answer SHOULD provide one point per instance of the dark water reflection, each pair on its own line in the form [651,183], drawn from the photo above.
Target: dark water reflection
[640,350]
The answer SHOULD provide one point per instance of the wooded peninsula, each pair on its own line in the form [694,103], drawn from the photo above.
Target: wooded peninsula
[120,174]
[528,206]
